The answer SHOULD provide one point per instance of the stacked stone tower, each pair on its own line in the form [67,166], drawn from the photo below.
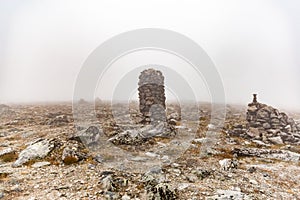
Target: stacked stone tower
[152,96]
[271,124]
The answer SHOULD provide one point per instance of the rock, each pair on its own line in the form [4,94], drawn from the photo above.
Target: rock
[60,120]
[89,137]
[262,114]
[228,164]
[260,143]
[152,155]
[130,137]
[72,154]
[251,169]
[161,191]
[266,125]
[276,140]
[283,155]
[3,134]
[183,186]
[125,197]
[253,132]
[273,131]
[5,110]
[6,151]
[40,164]
[252,109]
[111,195]
[40,149]
[253,182]
[141,134]
[107,184]
[229,194]
[191,178]
[202,173]
[98,158]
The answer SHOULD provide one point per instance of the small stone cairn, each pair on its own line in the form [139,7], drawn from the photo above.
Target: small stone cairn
[152,96]
[269,125]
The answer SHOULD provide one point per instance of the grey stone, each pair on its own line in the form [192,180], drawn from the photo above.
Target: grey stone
[229,194]
[262,114]
[253,132]
[40,164]
[266,125]
[228,164]
[89,137]
[276,140]
[39,149]
[161,191]
[6,151]
[283,155]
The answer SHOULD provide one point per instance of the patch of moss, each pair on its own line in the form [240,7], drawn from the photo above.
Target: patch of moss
[10,157]
[70,160]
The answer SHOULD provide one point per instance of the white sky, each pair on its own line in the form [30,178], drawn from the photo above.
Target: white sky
[254,44]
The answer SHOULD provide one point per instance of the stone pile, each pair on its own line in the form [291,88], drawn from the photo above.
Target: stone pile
[269,125]
[152,96]
[5,110]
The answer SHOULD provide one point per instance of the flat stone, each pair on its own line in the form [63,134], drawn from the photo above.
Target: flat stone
[40,164]
[6,151]
[266,125]
[276,140]
[253,132]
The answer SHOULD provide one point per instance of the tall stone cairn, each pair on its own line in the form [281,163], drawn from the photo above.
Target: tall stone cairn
[152,96]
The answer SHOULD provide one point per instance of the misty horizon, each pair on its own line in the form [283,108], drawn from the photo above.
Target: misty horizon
[44,48]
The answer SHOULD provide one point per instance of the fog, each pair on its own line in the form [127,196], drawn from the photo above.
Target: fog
[254,45]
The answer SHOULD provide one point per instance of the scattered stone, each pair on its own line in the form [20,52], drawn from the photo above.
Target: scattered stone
[60,120]
[161,191]
[141,134]
[276,140]
[229,194]
[6,151]
[261,143]
[125,197]
[202,173]
[40,164]
[284,155]
[228,164]
[252,169]
[5,110]
[253,133]
[98,158]
[183,186]
[107,183]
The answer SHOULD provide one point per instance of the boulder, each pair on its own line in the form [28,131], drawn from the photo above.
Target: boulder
[89,137]
[39,149]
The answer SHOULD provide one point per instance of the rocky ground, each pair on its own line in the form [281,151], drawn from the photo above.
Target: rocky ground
[45,154]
